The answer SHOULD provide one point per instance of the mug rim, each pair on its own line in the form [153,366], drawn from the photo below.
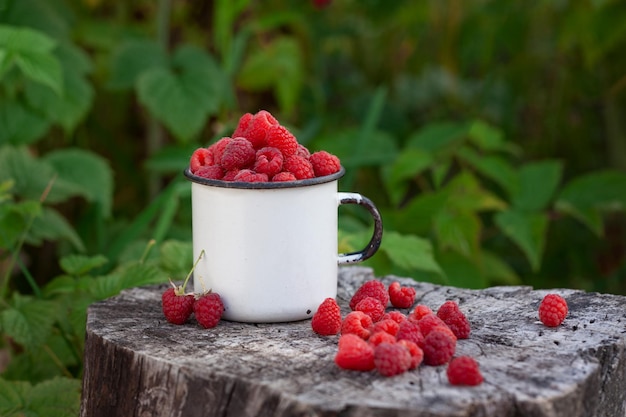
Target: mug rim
[263,185]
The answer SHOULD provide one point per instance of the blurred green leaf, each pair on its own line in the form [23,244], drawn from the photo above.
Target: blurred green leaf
[132,58]
[19,125]
[176,258]
[277,66]
[538,182]
[496,270]
[489,138]
[382,148]
[81,264]
[438,136]
[467,194]
[59,397]
[85,173]
[410,252]
[458,230]
[24,39]
[495,168]
[408,164]
[43,68]
[51,225]
[527,230]
[587,196]
[28,320]
[418,215]
[460,271]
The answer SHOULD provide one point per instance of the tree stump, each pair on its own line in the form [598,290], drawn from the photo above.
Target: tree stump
[137,364]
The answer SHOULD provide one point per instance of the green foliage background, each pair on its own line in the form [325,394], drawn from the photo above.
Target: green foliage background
[490,135]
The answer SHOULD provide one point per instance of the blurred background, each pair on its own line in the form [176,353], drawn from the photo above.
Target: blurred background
[490,134]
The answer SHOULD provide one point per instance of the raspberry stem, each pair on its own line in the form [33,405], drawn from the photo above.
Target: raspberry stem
[181,290]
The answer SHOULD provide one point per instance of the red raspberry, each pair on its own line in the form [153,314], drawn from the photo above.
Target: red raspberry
[464,370]
[387,325]
[213,172]
[380,337]
[217,149]
[372,288]
[238,153]
[391,359]
[324,163]
[438,347]
[420,311]
[429,322]
[354,353]
[284,177]
[280,137]
[327,319]
[395,316]
[208,309]
[372,307]
[452,315]
[247,175]
[358,323]
[268,161]
[177,306]
[199,158]
[230,175]
[258,128]
[303,151]
[401,297]
[409,330]
[417,354]
[243,125]
[552,310]
[299,167]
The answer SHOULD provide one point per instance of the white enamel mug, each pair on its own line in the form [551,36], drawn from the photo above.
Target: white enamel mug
[270,249]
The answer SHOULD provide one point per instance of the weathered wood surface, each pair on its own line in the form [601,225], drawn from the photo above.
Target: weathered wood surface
[136,364]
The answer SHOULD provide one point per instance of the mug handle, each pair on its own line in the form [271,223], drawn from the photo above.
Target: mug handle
[374,243]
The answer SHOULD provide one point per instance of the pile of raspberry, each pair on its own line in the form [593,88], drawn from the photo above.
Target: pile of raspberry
[392,342]
[261,150]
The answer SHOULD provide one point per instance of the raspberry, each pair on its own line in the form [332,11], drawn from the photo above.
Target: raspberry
[327,319]
[230,175]
[409,330]
[464,370]
[420,311]
[552,310]
[372,307]
[208,309]
[243,125]
[284,177]
[401,297]
[454,318]
[372,288]
[258,128]
[438,347]
[247,175]
[395,316]
[429,322]
[299,167]
[380,337]
[268,161]
[303,151]
[387,325]
[417,354]
[217,149]
[199,158]
[177,307]
[213,172]
[238,153]
[358,323]
[391,359]
[280,137]
[324,163]
[354,353]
